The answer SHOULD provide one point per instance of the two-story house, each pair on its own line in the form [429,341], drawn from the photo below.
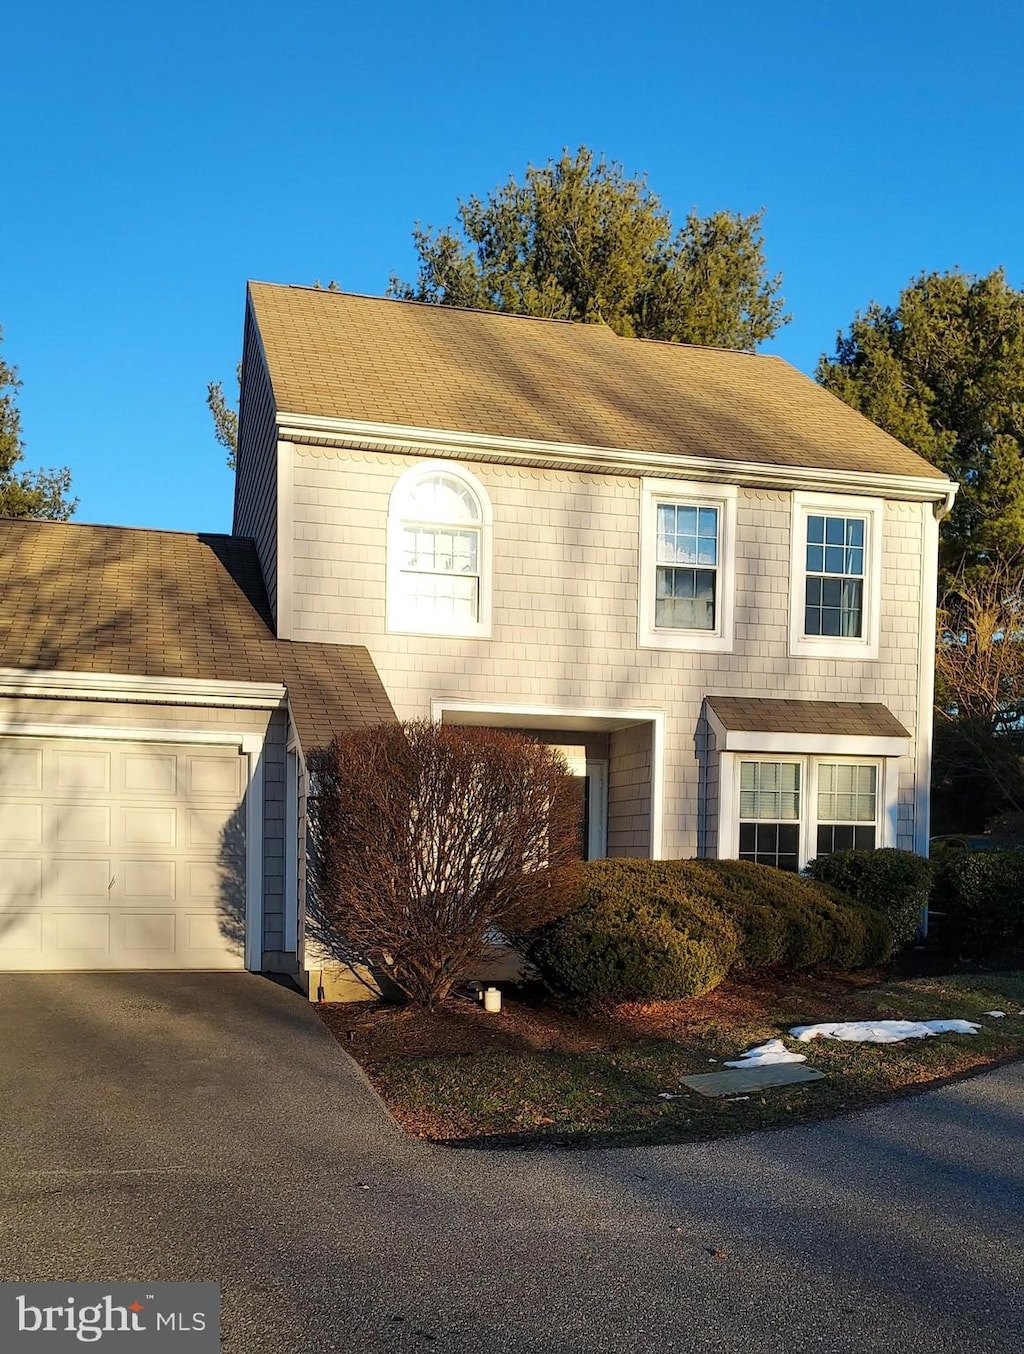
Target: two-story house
[705,579]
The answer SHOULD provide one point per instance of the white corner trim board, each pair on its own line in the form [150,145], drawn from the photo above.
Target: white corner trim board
[318,430]
[254,860]
[926,683]
[159,690]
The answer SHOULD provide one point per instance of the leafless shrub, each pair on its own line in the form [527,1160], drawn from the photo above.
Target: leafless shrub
[429,836]
[979,671]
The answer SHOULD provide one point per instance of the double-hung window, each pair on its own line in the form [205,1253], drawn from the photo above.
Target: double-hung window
[686,565]
[770,804]
[847,807]
[686,572]
[836,567]
[439,553]
[834,580]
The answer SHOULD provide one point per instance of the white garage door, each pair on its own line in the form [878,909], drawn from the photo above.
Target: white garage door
[120,855]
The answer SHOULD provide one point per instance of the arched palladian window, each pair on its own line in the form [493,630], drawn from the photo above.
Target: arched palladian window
[439,547]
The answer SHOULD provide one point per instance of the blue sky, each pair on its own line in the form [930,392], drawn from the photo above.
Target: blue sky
[156,156]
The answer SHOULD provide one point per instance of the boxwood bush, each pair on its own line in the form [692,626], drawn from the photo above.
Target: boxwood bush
[634,935]
[785,921]
[896,883]
[978,902]
[648,929]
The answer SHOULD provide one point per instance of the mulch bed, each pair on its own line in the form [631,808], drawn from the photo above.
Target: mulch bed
[539,1075]
[374,1031]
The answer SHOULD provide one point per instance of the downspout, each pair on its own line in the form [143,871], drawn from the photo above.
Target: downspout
[926,674]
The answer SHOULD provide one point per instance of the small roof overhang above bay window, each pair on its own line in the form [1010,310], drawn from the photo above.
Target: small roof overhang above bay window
[839,728]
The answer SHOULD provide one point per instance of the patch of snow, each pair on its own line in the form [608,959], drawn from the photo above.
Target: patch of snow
[996,1015]
[882,1031]
[667,1095]
[766,1055]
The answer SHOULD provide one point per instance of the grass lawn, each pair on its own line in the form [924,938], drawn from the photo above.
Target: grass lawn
[537,1076]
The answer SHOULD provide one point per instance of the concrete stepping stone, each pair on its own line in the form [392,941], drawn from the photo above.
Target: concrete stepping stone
[756,1079]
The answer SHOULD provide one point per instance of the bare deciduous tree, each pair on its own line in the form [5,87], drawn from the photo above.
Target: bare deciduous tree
[429,837]
[979,670]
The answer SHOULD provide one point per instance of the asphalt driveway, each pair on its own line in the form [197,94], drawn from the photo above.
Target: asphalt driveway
[205,1127]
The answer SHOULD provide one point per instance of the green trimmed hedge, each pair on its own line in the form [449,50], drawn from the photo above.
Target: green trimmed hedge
[978,902]
[650,929]
[785,921]
[634,935]
[896,883]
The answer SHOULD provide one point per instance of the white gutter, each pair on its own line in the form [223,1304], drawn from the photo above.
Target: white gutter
[158,690]
[926,682]
[311,429]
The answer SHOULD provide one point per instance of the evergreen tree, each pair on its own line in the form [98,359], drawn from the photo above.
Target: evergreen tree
[26,493]
[943,370]
[578,240]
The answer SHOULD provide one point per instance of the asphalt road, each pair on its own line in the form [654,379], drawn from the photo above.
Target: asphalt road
[205,1127]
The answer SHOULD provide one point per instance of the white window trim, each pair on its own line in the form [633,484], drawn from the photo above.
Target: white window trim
[398,620]
[878,823]
[801,762]
[723,497]
[836,505]
[729,799]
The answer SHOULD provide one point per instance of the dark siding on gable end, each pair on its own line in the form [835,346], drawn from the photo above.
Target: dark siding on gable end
[274,826]
[256,473]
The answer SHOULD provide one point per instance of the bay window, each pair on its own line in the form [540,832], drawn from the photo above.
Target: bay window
[790,810]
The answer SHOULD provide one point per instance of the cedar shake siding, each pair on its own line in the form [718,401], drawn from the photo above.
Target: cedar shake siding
[709,768]
[565,592]
[629,792]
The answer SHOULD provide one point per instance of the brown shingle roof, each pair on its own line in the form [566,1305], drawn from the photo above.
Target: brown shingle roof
[168,604]
[755,715]
[336,355]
